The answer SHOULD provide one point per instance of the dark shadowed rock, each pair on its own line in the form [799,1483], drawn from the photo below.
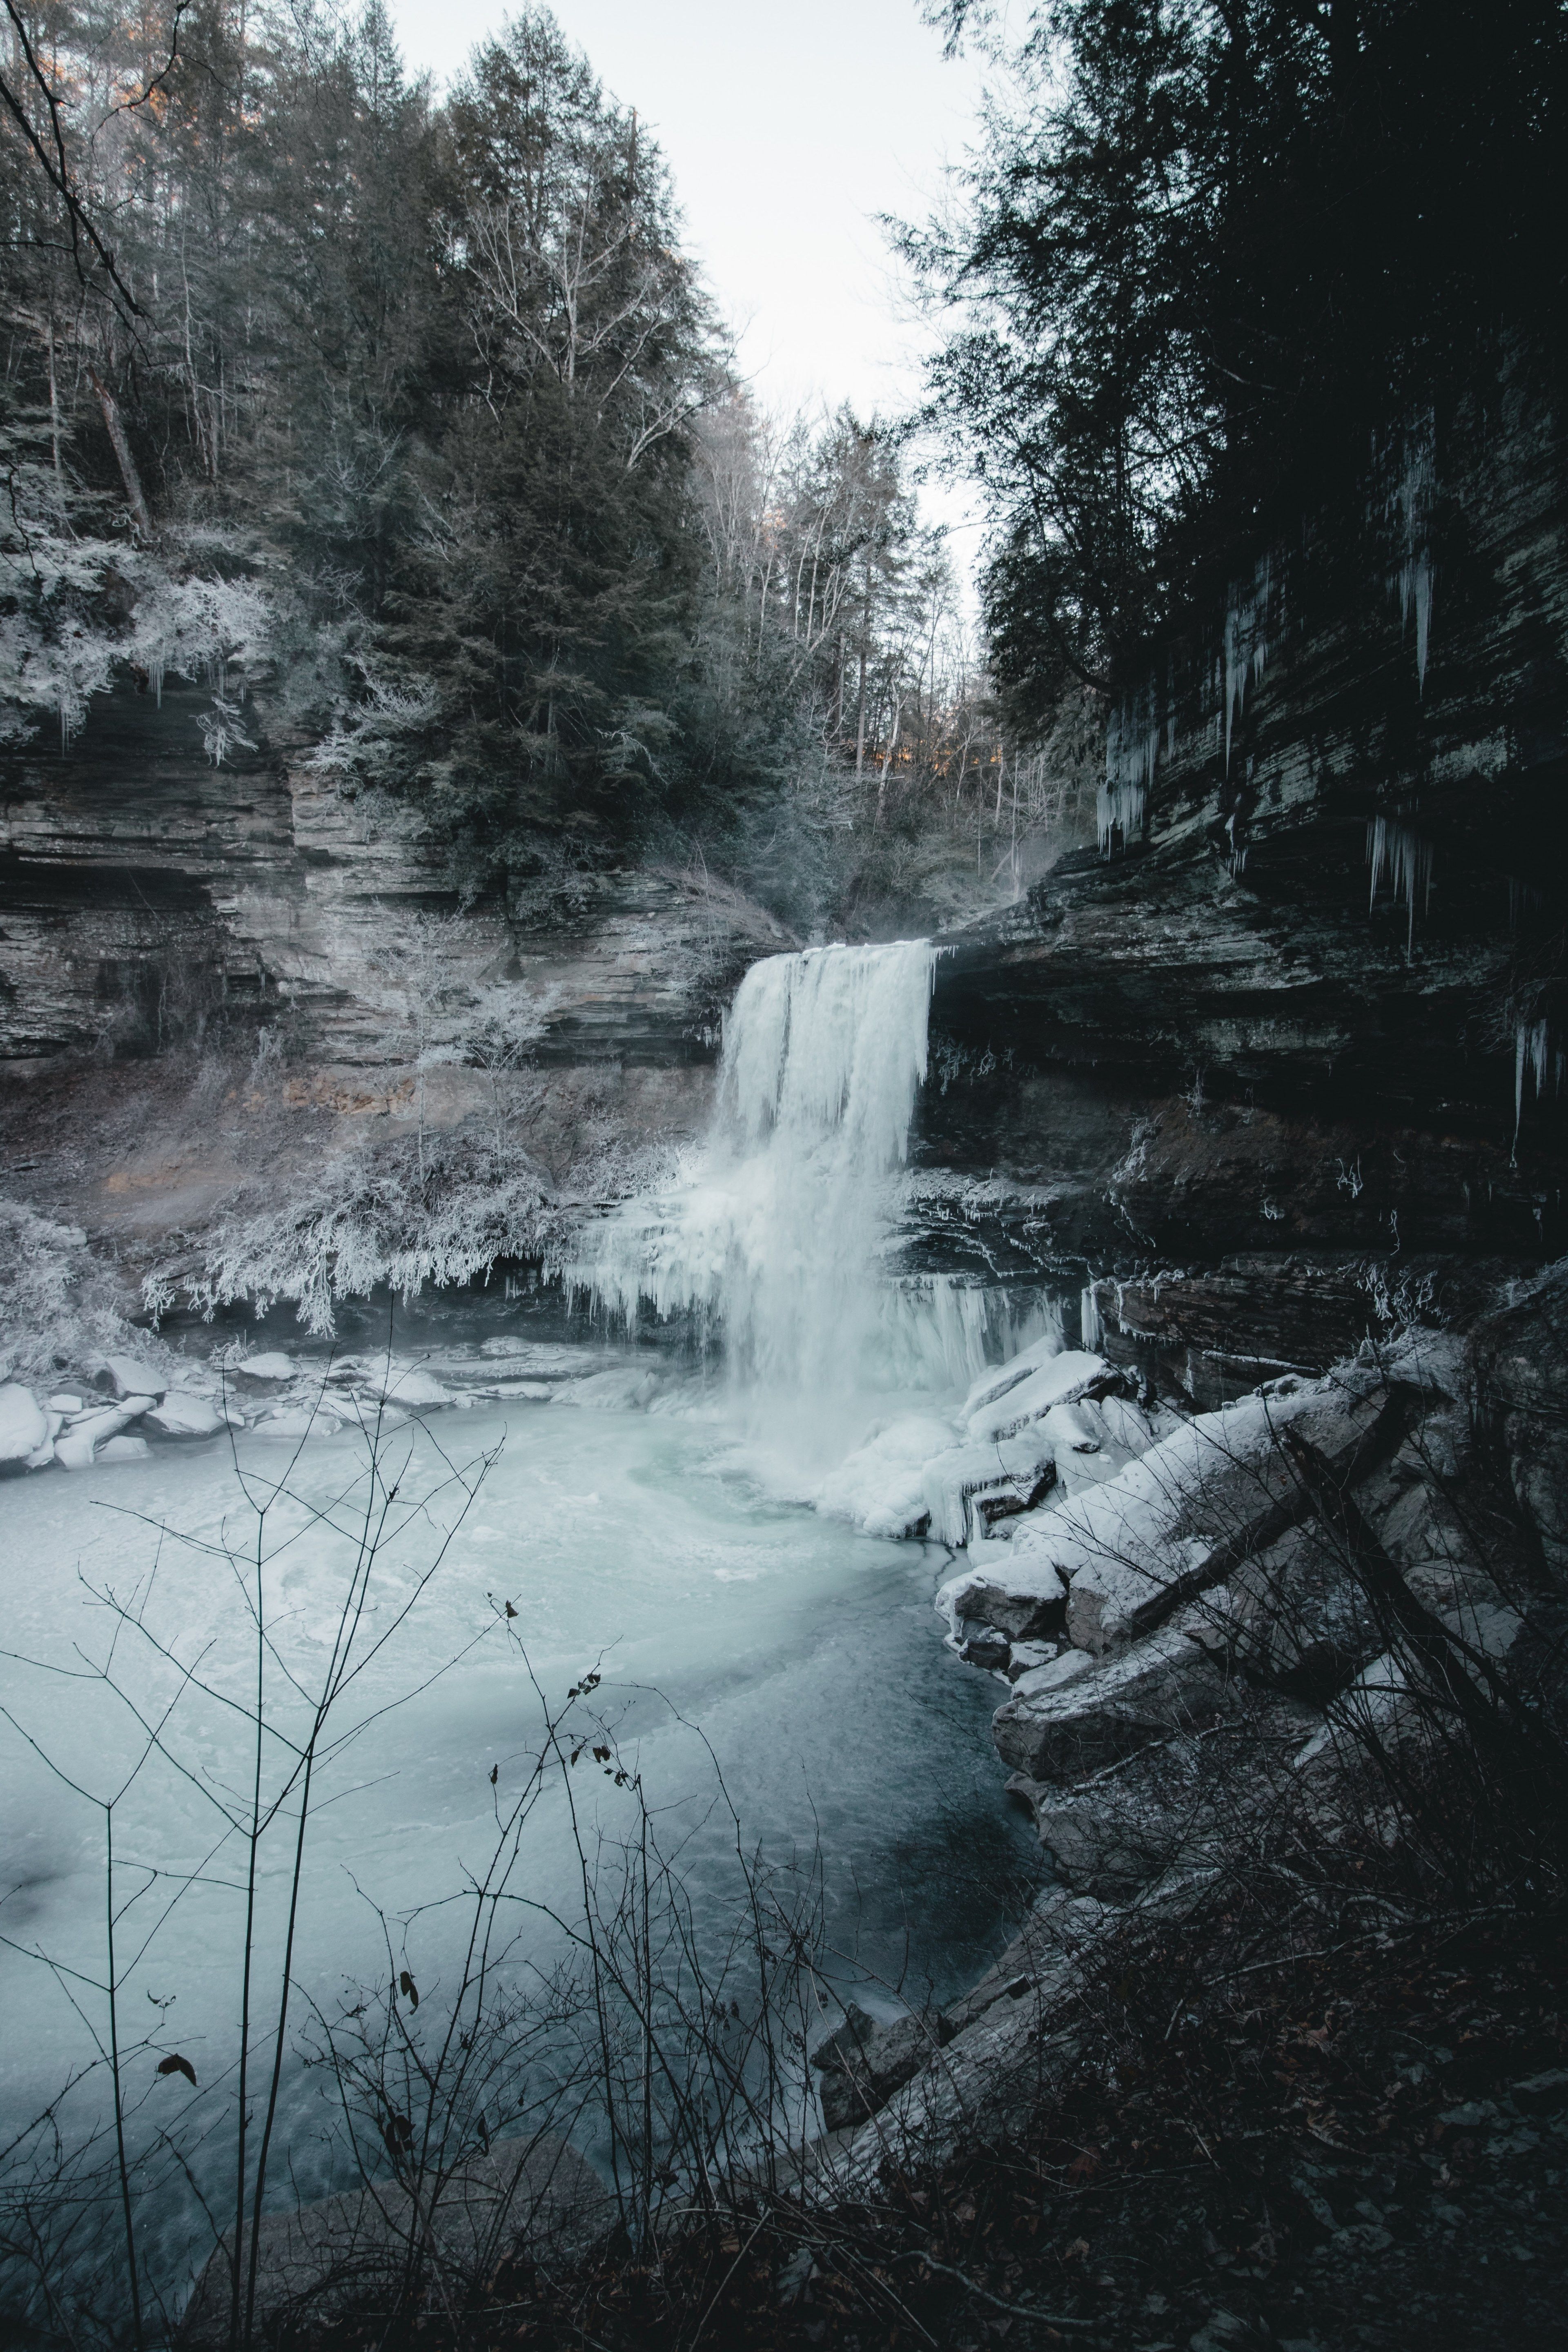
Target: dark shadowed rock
[318,2260]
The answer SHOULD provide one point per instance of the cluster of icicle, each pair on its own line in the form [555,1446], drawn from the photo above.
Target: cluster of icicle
[1535,1057]
[1400,856]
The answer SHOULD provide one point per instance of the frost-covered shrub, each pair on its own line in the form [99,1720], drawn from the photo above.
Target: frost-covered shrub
[369,1221]
[78,599]
[57,1302]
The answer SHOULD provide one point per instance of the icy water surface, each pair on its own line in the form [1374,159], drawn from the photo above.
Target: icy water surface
[632,1541]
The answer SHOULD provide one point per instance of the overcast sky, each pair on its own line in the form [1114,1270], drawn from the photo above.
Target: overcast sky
[789,128]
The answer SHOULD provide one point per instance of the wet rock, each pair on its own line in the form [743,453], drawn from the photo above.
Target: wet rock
[982,1645]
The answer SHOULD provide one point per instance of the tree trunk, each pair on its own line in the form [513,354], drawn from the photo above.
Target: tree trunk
[114,425]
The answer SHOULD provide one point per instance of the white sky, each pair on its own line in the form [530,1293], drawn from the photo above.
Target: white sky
[788,129]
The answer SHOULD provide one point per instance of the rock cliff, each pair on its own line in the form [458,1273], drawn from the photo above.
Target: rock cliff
[1304,995]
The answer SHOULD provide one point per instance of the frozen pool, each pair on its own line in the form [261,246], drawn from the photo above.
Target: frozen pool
[637,1542]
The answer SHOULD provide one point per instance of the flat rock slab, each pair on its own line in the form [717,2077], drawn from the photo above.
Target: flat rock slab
[1072,1719]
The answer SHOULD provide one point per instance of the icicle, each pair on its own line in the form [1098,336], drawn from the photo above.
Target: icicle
[1091,1330]
[1131,751]
[1412,507]
[1246,644]
[1393,849]
[1532,1052]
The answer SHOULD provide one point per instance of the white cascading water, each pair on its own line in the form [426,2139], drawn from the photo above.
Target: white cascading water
[777,1235]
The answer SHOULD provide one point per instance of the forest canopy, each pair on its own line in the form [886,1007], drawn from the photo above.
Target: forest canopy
[420,409]
[414,412]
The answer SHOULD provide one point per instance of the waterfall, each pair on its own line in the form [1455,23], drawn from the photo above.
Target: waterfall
[776,1235]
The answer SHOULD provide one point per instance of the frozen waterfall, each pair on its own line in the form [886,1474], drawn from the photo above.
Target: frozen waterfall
[776,1235]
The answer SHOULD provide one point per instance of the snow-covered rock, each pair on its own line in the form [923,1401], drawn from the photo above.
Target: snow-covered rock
[624,1390]
[1021,1607]
[993,1411]
[997,1379]
[133,1376]
[68,1401]
[125,1449]
[1078,1713]
[1175,1519]
[24,1428]
[270,1365]
[184,1416]
[79,1442]
[880,1487]
[297,1422]
[958,1483]
[411,1385]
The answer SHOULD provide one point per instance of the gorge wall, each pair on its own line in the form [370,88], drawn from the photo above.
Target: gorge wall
[1303,1002]
[1300,1008]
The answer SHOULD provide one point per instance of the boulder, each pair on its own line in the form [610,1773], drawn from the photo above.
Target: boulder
[1068,1720]
[23,1429]
[125,1449]
[77,1445]
[1024,1609]
[133,1376]
[1026,1658]
[982,1645]
[1180,1516]
[265,1370]
[184,1416]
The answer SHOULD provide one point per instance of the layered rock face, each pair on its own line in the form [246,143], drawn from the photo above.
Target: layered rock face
[145,894]
[1294,1002]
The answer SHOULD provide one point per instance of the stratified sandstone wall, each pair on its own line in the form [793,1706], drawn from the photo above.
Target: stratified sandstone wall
[145,895]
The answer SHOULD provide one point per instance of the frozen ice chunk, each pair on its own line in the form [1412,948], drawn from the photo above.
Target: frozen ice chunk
[125,1449]
[1061,1379]
[955,1481]
[23,1427]
[880,1487]
[414,1387]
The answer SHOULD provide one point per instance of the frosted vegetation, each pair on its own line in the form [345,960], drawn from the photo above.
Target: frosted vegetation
[407,432]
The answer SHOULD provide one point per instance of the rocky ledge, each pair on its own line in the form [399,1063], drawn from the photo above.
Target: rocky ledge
[1269,1622]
